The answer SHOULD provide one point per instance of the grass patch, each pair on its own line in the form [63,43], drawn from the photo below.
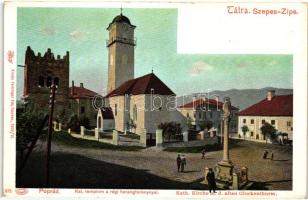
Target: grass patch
[66,139]
[198,149]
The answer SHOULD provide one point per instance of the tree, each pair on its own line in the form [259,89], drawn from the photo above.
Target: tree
[170,129]
[27,125]
[206,124]
[245,129]
[189,123]
[268,131]
[74,123]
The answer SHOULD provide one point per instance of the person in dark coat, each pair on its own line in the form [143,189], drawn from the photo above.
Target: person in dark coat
[183,163]
[265,154]
[210,177]
[178,162]
[203,154]
[272,156]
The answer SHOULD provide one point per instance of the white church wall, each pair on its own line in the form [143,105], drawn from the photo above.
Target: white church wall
[162,110]
[117,105]
[139,102]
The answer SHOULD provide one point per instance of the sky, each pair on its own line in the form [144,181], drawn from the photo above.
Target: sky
[82,32]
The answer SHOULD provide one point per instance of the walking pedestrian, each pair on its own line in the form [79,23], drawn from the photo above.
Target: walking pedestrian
[183,163]
[178,162]
[265,155]
[272,156]
[210,177]
[203,154]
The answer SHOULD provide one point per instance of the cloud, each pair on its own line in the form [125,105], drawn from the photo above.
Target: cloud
[48,31]
[77,35]
[199,67]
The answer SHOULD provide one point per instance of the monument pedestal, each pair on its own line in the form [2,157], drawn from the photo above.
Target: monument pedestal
[224,174]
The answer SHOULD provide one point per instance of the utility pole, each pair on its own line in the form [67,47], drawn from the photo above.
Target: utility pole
[51,105]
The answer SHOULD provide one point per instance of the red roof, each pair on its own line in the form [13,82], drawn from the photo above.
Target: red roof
[107,113]
[277,106]
[81,92]
[142,85]
[204,102]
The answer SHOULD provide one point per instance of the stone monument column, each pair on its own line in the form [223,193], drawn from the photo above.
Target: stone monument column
[225,166]
[226,139]
[226,119]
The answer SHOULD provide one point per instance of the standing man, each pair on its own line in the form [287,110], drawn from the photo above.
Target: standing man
[210,177]
[178,162]
[183,163]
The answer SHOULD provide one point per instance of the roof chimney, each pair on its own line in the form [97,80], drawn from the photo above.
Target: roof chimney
[270,94]
[81,85]
[72,91]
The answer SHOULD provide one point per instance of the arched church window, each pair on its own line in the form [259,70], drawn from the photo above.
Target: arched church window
[41,81]
[187,115]
[115,109]
[56,81]
[49,81]
[135,112]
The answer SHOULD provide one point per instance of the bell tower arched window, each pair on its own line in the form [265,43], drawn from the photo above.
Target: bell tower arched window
[49,81]
[41,81]
[56,81]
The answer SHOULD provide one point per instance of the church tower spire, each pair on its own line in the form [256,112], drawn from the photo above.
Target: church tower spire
[121,44]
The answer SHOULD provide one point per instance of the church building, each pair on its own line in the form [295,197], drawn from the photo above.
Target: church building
[136,103]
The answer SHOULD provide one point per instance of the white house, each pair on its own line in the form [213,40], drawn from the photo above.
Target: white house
[105,119]
[275,110]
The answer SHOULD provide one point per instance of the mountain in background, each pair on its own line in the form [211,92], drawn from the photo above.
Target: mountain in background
[239,98]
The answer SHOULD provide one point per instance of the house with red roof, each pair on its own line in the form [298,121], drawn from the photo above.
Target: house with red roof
[275,110]
[80,99]
[204,111]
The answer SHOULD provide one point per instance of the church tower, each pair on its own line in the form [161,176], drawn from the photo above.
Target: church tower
[121,44]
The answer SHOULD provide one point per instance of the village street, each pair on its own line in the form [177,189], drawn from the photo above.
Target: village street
[74,167]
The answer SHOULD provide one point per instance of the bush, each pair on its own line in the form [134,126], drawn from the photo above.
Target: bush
[84,121]
[268,131]
[27,125]
[74,123]
[206,124]
[170,129]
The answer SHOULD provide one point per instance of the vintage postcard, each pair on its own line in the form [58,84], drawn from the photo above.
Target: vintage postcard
[179,100]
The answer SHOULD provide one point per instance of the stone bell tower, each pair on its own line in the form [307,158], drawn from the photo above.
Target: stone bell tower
[121,44]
